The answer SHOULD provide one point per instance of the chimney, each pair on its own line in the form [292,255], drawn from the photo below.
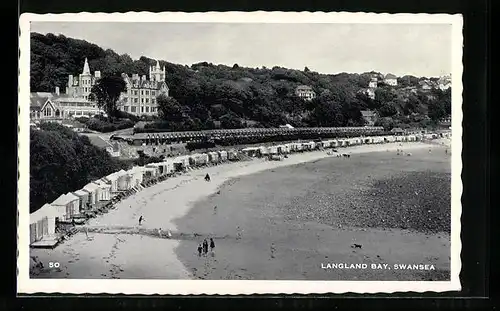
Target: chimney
[70,80]
[57,90]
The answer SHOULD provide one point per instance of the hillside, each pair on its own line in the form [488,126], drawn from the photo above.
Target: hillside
[62,161]
[208,95]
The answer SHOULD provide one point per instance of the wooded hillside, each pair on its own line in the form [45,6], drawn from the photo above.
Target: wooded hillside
[206,95]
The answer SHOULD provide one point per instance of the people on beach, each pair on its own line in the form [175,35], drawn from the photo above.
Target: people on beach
[212,244]
[200,249]
[140,220]
[205,246]
[207,177]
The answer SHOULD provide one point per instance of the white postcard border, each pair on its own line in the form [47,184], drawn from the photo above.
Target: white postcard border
[233,287]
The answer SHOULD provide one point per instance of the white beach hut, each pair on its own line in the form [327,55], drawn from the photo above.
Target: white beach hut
[66,207]
[123,180]
[136,174]
[181,162]
[93,191]
[104,190]
[43,224]
[84,199]
[213,157]
[222,155]
[112,180]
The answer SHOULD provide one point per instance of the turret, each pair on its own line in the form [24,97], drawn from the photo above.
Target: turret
[86,68]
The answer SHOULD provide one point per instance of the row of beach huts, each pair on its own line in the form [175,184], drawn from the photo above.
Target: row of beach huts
[55,221]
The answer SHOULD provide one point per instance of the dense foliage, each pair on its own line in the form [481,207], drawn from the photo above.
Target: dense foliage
[106,93]
[207,96]
[105,125]
[62,161]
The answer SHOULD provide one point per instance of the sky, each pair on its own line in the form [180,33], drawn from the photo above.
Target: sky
[422,50]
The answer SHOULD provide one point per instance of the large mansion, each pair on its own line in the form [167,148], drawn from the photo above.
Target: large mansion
[141,93]
[75,103]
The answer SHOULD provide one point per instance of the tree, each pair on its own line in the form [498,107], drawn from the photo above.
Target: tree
[106,92]
[169,109]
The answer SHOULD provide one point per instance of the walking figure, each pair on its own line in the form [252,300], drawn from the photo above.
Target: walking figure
[140,220]
[212,244]
[205,246]
[207,177]
[199,249]
[87,232]
[159,233]
[73,222]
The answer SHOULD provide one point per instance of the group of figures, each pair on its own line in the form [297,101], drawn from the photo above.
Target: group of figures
[203,247]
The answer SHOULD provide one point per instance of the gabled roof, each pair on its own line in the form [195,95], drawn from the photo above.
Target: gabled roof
[71,197]
[80,193]
[90,187]
[61,200]
[390,76]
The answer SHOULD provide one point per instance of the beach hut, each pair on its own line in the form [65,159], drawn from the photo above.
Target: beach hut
[222,155]
[84,199]
[74,203]
[198,159]
[112,180]
[93,191]
[123,180]
[137,174]
[149,172]
[232,155]
[273,150]
[104,190]
[152,170]
[66,207]
[43,224]
[181,163]
[213,157]
[251,151]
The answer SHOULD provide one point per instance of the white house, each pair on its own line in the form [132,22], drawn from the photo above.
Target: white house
[391,79]
[43,224]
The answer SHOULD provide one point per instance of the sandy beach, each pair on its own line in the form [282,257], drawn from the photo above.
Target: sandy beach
[269,237]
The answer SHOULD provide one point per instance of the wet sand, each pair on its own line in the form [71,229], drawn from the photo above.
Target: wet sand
[290,222]
[118,247]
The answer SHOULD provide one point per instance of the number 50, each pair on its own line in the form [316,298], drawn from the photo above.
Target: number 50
[54,264]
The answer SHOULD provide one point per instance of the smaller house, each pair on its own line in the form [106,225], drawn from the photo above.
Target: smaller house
[426,85]
[369,116]
[373,83]
[391,79]
[305,92]
[84,199]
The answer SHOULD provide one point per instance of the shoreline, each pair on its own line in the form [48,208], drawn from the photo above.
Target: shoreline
[162,205]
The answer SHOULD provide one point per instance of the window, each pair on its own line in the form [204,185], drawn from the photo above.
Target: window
[147,109]
[125,108]
[142,100]
[147,92]
[142,109]
[135,100]
[153,93]
[142,92]
[133,109]
[147,100]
